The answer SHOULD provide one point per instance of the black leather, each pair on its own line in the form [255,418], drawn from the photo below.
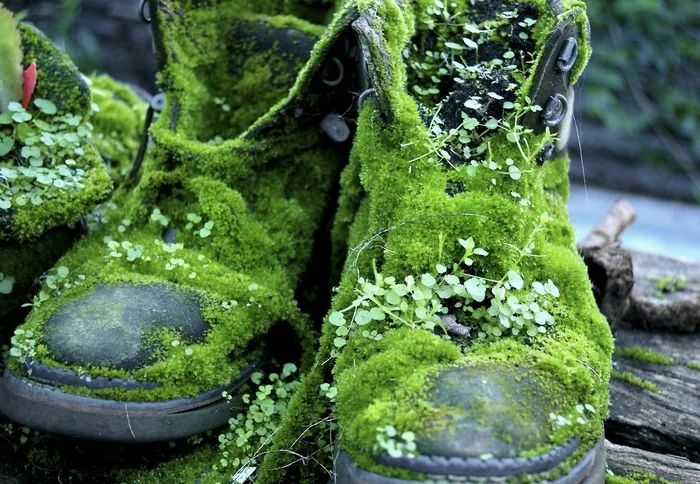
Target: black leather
[111,325]
[505,413]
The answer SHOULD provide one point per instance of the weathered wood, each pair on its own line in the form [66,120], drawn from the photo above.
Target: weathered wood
[674,311]
[609,265]
[620,216]
[666,422]
[682,348]
[611,272]
[623,460]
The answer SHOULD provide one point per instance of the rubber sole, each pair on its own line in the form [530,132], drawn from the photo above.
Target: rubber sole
[589,470]
[48,409]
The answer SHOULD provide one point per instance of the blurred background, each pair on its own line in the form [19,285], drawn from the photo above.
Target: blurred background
[638,108]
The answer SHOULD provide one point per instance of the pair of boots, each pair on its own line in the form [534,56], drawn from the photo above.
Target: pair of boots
[463,340]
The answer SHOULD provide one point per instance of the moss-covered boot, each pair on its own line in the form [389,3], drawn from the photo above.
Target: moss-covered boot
[150,326]
[464,339]
[50,174]
[117,118]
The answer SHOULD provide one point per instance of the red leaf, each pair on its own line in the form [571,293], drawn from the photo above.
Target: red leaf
[29,83]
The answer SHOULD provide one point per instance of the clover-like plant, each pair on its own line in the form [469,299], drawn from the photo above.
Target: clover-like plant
[453,301]
[39,150]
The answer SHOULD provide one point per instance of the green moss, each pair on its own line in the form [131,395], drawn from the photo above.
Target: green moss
[118,124]
[694,366]
[64,206]
[52,205]
[636,478]
[252,68]
[644,355]
[633,379]
[267,248]
[57,78]
[262,195]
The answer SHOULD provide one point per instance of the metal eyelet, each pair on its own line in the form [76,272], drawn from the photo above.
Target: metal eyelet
[363,96]
[142,12]
[545,153]
[555,110]
[568,55]
[335,63]
[158,102]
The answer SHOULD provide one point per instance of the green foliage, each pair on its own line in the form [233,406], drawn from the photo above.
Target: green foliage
[54,283]
[251,431]
[117,116]
[447,67]
[578,415]
[38,153]
[645,355]
[492,307]
[23,345]
[635,478]
[668,284]
[194,221]
[11,64]
[643,79]
[389,440]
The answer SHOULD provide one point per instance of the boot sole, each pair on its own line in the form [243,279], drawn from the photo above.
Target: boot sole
[48,409]
[589,470]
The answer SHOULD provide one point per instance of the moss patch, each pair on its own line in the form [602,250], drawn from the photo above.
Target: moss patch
[118,124]
[635,478]
[229,220]
[53,175]
[57,77]
[633,379]
[644,355]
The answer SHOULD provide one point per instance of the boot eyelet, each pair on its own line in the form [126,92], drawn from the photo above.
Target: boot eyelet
[363,97]
[555,110]
[142,12]
[546,153]
[158,102]
[336,69]
[568,55]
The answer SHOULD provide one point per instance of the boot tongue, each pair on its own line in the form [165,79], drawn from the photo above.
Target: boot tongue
[224,67]
[476,99]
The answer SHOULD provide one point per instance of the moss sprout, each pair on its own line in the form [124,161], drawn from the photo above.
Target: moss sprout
[633,379]
[645,355]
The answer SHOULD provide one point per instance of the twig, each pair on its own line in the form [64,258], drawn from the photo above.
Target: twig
[620,216]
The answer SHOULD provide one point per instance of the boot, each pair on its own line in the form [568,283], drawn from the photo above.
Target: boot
[151,327]
[464,341]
